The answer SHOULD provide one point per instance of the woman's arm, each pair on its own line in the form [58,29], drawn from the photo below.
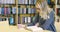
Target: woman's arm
[48,21]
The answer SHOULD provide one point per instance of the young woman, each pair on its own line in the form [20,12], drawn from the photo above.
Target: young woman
[46,20]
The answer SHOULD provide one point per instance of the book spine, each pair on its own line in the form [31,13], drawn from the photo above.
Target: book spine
[29,10]
[11,20]
[29,19]
[0,10]
[26,19]
[21,1]
[35,1]
[8,11]
[18,10]
[14,10]
[26,1]
[24,10]
[4,10]
[23,20]
[19,20]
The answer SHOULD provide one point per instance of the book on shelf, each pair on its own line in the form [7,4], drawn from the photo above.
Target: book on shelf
[18,10]
[7,1]
[29,19]
[31,1]
[11,21]
[26,19]
[8,12]
[19,20]
[33,10]
[0,10]
[35,1]
[20,1]
[29,10]
[23,20]
[58,12]
[26,2]
[24,10]
[13,10]
[5,10]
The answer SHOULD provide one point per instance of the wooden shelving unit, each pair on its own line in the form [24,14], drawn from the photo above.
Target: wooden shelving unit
[15,16]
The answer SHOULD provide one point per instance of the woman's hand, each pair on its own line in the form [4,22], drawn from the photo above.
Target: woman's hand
[37,24]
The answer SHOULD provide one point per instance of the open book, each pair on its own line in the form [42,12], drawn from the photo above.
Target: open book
[35,28]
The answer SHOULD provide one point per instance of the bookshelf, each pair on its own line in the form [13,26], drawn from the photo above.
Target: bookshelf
[26,10]
[7,9]
[57,9]
[15,10]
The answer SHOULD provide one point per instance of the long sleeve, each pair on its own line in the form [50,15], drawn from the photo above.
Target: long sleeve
[49,21]
[35,20]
